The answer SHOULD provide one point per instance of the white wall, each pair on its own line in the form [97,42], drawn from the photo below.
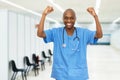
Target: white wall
[18,38]
[27,36]
[115,39]
[21,39]
[3,45]
[12,39]
[12,35]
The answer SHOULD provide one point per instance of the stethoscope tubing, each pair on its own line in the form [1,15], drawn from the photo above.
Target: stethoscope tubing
[74,38]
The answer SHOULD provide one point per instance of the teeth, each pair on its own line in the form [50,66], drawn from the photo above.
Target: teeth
[69,24]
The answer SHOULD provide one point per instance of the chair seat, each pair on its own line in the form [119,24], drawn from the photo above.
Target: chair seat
[22,70]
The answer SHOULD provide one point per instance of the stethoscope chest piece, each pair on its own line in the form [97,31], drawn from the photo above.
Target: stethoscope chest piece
[64,45]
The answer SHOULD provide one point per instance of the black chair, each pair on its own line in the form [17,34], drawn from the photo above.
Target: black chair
[37,60]
[29,65]
[46,57]
[16,70]
[50,53]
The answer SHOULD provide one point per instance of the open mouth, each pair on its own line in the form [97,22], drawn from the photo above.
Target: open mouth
[69,24]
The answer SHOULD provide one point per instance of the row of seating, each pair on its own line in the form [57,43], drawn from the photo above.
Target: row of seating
[35,64]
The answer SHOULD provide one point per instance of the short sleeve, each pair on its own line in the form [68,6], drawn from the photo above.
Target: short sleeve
[91,37]
[49,36]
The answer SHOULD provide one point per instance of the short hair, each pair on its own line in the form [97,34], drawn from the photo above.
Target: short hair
[69,10]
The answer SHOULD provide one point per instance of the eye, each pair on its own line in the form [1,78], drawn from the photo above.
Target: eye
[66,18]
[71,18]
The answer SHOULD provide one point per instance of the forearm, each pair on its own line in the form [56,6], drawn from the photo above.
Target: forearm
[40,31]
[99,33]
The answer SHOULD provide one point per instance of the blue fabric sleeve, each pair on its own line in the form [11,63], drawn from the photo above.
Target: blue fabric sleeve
[49,36]
[91,37]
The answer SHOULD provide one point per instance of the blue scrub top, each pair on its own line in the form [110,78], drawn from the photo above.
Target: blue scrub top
[69,62]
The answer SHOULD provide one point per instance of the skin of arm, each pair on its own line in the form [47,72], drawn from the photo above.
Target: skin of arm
[99,33]
[40,26]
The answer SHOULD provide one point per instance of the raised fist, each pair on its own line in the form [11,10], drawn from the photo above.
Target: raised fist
[48,10]
[91,11]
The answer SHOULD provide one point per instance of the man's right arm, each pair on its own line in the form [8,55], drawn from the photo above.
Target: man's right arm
[40,31]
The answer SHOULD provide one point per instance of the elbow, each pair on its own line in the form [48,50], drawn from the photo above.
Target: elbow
[40,34]
[99,36]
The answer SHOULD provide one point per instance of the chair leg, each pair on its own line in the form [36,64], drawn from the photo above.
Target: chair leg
[25,75]
[37,70]
[29,68]
[34,68]
[22,75]
[13,76]
[15,73]
[49,60]
[42,66]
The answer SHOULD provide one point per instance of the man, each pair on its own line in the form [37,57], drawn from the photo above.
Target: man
[70,42]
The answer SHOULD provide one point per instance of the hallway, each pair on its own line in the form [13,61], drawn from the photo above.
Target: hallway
[19,20]
[103,64]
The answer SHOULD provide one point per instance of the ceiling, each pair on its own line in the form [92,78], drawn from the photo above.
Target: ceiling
[108,10]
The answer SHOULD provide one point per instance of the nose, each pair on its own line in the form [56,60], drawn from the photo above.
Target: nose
[69,20]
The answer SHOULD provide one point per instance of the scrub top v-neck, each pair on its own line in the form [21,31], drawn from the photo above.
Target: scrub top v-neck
[69,62]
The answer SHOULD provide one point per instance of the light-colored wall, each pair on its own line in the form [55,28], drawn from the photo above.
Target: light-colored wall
[18,38]
[115,39]
[3,45]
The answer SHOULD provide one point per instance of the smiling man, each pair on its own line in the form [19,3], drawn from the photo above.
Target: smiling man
[70,44]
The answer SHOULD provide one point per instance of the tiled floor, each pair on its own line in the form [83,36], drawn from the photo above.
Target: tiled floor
[103,63]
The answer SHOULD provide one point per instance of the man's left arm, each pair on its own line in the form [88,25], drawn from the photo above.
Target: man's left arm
[99,33]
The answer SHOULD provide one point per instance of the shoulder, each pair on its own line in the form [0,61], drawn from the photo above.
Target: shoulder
[56,29]
[81,29]
[84,31]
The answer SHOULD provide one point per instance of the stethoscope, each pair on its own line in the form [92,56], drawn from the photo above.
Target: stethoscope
[76,37]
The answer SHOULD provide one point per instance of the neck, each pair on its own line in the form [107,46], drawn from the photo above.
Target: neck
[70,31]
